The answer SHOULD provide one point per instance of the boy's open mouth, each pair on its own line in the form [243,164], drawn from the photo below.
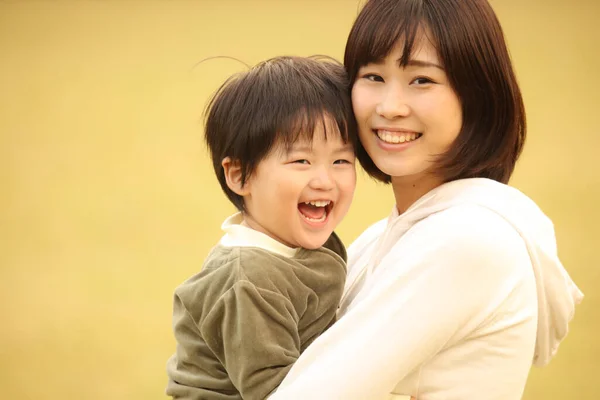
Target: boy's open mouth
[315,211]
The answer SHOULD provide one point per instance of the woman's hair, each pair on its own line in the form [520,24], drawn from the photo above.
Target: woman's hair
[271,106]
[473,52]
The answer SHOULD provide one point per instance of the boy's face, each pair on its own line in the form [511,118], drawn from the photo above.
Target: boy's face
[299,197]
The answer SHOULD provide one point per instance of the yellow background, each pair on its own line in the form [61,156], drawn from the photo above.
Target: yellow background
[108,201]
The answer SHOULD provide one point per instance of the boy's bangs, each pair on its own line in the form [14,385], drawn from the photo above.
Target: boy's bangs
[302,127]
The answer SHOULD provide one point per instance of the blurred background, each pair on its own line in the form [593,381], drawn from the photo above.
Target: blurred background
[108,201]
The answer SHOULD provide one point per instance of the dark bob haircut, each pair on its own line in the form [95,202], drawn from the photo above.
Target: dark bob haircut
[271,106]
[473,52]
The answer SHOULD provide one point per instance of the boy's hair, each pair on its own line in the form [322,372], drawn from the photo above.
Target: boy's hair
[273,104]
[472,50]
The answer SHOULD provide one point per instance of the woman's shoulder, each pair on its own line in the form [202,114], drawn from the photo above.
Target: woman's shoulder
[365,239]
[471,233]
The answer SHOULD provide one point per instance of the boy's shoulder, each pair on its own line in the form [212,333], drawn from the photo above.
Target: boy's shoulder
[335,244]
[222,270]
[255,263]
[226,265]
[229,263]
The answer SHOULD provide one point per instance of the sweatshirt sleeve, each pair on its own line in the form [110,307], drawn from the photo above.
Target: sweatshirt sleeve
[185,382]
[254,333]
[447,273]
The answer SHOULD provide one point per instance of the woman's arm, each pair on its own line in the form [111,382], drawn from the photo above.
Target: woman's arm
[442,279]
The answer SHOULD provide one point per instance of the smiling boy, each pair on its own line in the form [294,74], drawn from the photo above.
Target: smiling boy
[282,138]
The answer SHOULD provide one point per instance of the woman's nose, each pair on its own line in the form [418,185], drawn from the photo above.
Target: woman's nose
[393,104]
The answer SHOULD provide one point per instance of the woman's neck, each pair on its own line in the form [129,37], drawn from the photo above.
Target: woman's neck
[408,189]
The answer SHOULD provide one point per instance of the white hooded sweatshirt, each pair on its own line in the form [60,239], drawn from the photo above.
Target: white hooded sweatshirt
[453,299]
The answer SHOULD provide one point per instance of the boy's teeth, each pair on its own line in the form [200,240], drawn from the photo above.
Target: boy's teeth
[316,219]
[396,137]
[318,203]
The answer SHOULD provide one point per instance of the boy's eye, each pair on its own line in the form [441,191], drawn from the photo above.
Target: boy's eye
[342,161]
[300,162]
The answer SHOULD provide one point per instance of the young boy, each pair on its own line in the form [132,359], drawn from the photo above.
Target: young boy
[282,138]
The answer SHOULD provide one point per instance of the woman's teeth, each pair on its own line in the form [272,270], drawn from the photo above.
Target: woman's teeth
[397,137]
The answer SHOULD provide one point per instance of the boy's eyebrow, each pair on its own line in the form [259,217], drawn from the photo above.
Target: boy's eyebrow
[345,148]
[300,148]
[308,149]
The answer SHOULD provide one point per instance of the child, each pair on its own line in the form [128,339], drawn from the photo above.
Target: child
[282,138]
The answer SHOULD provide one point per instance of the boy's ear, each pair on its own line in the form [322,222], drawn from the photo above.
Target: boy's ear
[233,176]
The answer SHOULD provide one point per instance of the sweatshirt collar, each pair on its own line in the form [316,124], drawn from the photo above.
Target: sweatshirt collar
[238,235]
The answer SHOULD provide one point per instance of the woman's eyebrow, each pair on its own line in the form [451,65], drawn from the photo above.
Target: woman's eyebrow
[421,63]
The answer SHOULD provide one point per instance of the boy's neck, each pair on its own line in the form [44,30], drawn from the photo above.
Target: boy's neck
[249,223]
[240,234]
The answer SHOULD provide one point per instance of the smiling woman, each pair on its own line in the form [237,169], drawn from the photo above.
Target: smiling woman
[409,112]
[460,289]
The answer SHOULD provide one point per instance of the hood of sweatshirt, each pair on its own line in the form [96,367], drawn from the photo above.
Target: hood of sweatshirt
[556,292]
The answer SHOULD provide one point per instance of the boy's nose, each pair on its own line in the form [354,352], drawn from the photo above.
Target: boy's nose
[322,180]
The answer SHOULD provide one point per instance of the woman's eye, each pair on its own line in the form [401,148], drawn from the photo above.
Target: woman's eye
[373,77]
[422,80]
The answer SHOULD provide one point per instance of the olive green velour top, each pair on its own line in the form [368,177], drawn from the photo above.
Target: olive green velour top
[244,319]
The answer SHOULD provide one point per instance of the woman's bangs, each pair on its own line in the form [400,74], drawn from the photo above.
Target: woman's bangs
[373,37]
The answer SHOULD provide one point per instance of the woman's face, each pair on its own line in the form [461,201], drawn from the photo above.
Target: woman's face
[406,115]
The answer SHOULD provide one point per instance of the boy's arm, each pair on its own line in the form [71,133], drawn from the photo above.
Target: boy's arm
[183,369]
[254,334]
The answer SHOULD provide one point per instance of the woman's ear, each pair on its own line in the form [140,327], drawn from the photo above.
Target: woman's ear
[233,176]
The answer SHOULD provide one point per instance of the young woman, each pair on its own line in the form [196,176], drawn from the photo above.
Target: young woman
[460,289]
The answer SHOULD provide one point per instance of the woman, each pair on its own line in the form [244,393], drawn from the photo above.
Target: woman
[460,289]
